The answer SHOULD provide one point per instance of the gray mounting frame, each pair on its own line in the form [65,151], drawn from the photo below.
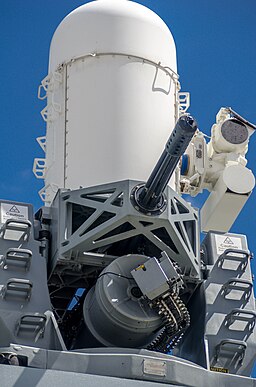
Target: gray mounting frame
[102,220]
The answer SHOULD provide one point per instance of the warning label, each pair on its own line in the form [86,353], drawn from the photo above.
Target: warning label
[224,242]
[219,369]
[13,211]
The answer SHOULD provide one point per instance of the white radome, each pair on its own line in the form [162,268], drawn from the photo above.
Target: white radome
[112,95]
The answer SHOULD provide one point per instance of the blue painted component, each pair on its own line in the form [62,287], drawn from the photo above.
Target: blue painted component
[184,165]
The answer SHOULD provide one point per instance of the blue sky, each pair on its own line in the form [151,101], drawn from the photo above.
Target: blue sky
[216,48]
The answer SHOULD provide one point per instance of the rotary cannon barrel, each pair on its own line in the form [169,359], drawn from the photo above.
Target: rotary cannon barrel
[148,197]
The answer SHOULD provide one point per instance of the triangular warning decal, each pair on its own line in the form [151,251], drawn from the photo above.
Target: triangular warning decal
[14,210]
[228,241]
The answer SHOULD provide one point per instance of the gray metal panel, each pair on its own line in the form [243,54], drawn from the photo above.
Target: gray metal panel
[209,245]
[24,377]
[30,210]
[230,306]
[100,366]
[152,279]
[192,346]
[14,303]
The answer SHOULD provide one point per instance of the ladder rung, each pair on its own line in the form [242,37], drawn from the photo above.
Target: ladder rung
[17,287]
[230,348]
[246,315]
[31,324]
[235,255]
[241,285]
[21,229]
[18,257]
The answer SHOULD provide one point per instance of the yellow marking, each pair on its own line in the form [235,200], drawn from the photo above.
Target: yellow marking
[219,369]
[140,267]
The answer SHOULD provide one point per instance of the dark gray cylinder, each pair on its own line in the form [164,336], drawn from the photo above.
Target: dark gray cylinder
[114,311]
[148,197]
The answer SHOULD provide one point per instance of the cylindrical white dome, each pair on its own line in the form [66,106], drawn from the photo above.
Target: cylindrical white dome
[112,95]
[113,26]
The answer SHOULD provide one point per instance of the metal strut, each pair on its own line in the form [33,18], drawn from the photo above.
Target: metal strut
[176,320]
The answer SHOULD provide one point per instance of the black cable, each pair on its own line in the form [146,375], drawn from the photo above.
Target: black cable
[118,275]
